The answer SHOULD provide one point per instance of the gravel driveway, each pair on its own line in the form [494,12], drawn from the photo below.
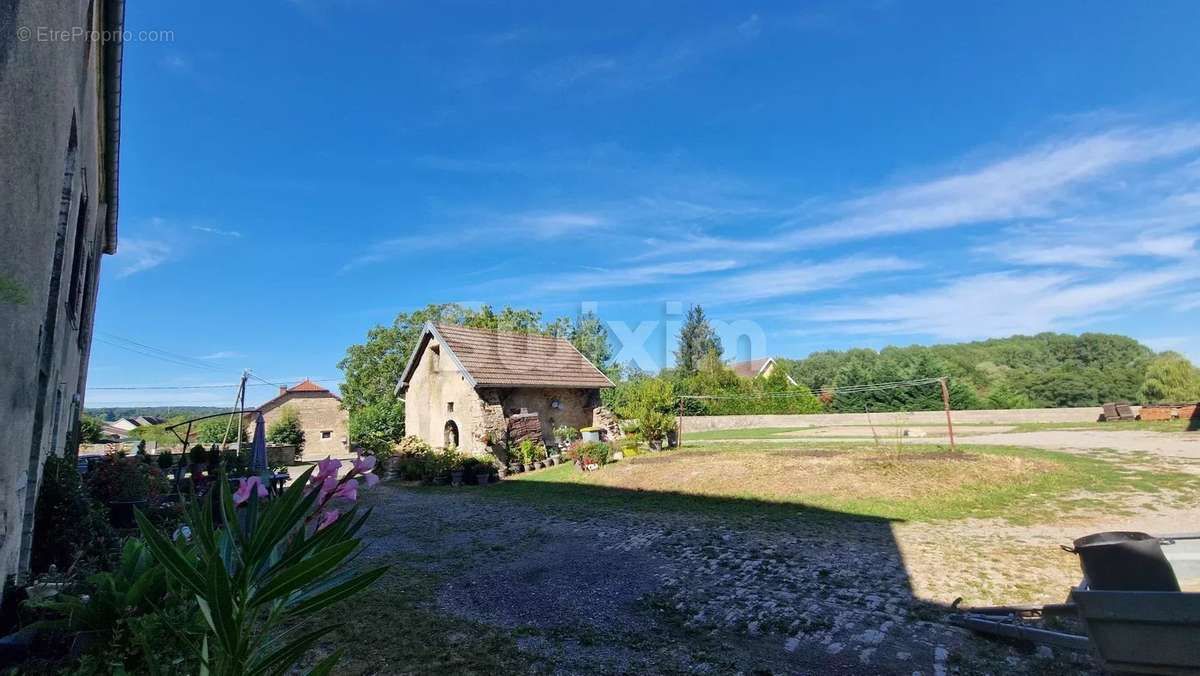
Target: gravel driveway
[628,592]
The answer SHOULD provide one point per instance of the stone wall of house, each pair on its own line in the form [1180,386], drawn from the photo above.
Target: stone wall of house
[54,216]
[322,418]
[439,396]
[554,406]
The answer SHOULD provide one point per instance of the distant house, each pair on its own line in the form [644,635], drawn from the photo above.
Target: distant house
[324,421]
[464,387]
[759,368]
[121,427]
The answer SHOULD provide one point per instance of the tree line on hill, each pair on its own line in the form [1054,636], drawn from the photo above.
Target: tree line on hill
[1045,370]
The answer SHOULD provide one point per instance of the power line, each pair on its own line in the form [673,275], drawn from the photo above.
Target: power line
[206,387]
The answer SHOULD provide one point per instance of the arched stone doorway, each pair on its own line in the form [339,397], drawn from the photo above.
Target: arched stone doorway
[451,434]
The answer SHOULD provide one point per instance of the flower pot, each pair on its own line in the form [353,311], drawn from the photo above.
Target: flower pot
[540,464]
[515,468]
[550,462]
[456,477]
[391,467]
[527,467]
[482,478]
[120,513]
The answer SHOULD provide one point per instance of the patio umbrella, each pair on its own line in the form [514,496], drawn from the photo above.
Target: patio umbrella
[258,447]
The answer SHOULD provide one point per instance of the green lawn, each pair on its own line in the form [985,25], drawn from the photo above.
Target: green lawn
[940,487]
[745,433]
[1135,425]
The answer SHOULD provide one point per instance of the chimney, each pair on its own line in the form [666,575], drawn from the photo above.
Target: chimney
[282,389]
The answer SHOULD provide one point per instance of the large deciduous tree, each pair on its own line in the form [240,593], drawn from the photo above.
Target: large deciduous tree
[1171,378]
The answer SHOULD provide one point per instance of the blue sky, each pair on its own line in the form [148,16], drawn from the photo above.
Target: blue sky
[824,175]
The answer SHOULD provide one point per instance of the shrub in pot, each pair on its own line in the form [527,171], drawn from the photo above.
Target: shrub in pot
[123,483]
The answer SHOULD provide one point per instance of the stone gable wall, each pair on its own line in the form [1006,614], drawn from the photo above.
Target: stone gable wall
[318,412]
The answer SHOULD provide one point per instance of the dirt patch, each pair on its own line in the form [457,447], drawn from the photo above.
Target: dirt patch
[798,474]
[807,453]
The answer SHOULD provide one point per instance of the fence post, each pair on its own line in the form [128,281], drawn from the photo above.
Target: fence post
[679,432]
[946,405]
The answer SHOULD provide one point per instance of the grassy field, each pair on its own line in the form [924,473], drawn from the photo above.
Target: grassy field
[1129,425]
[921,483]
[745,433]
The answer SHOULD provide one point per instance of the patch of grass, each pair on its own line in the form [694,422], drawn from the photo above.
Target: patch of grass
[920,483]
[396,628]
[744,433]
[1179,425]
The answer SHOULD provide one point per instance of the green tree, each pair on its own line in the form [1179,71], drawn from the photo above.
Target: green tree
[218,430]
[589,336]
[1171,378]
[378,427]
[90,430]
[286,429]
[696,340]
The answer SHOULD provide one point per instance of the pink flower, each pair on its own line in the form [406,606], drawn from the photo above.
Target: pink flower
[348,490]
[245,486]
[363,466]
[325,469]
[327,518]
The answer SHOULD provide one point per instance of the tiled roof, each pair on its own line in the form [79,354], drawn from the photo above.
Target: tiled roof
[498,359]
[749,369]
[307,385]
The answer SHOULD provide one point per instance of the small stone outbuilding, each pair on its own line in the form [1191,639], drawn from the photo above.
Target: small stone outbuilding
[464,387]
[321,416]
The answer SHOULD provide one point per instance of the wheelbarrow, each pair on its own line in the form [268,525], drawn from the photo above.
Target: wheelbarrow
[1136,618]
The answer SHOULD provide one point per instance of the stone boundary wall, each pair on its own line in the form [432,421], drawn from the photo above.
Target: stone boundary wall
[1001,416]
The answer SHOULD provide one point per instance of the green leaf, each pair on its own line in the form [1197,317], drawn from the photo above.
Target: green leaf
[294,577]
[281,659]
[312,603]
[325,666]
[168,556]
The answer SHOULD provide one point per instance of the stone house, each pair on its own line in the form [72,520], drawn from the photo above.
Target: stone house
[324,421]
[463,386]
[60,103]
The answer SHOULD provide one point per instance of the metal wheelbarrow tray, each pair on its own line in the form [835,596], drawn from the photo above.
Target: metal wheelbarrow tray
[1143,632]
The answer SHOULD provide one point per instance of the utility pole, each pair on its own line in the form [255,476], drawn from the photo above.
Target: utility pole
[241,408]
[946,405]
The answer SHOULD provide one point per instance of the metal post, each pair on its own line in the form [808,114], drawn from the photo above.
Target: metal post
[946,405]
[679,432]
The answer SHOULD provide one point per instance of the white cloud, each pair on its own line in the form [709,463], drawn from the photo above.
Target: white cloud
[1080,177]
[802,277]
[635,275]
[217,231]
[1033,184]
[558,224]
[138,255]
[1004,303]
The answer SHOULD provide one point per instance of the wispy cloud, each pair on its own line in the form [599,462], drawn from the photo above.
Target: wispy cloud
[1072,177]
[542,225]
[138,255]
[222,354]
[1003,303]
[595,278]
[793,279]
[217,231]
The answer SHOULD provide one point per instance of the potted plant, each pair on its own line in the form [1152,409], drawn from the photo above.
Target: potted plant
[565,435]
[483,472]
[124,484]
[590,433]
